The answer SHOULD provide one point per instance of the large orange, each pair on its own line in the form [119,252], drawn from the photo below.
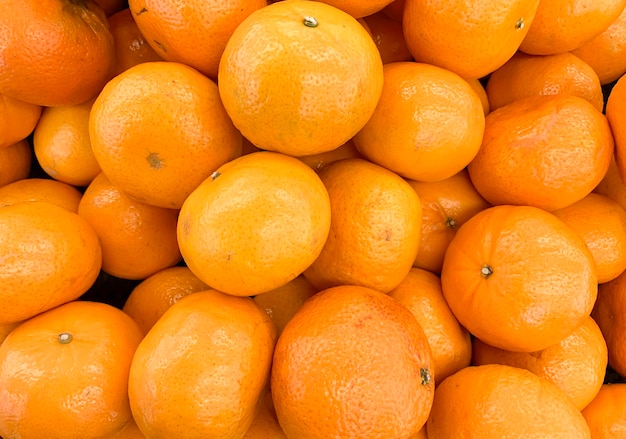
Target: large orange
[202,369]
[15,162]
[519,278]
[606,414]
[257,223]
[352,363]
[610,314]
[17,120]
[300,77]
[64,373]
[50,256]
[470,38]
[616,115]
[428,124]
[54,52]
[543,151]
[158,129]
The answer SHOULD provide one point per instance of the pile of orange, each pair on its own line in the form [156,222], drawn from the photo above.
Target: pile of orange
[300,219]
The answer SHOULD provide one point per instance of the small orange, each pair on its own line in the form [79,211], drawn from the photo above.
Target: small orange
[530,75]
[318,161]
[154,295]
[421,293]
[50,256]
[610,314]
[389,38]
[612,185]
[202,370]
[352,363]
[41,189]
[316,84]
[496,401]
[158,129]
[576,364]
[518,278]
[375,227]
[616,115]
[606,414]
[470,39]
[65,373]
[257,223]
[17,120]
[137,239]
[542,151]
[428,124]
[446,205]
[15,162]
[265,424]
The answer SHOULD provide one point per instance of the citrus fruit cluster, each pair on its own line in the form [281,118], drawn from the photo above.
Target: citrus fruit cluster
[238,219]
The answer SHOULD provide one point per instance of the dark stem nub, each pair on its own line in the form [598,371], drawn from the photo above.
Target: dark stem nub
[214,175]
[486,271]
[425,376]
[310,21]
[451,223]
[65,337]
[519,24]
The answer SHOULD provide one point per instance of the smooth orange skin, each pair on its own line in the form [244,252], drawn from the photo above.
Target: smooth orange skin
[470,39]
[496,401]
[76,390]
[606,414]
[375,227]
[203,368]
[542,151]
[137,239]
[50,256]
[54,52]
[15,162]
[17,120]
[576,364]
[616,115]
[610,314]
[41,189]
[542,284]
[352,363]
[313,90]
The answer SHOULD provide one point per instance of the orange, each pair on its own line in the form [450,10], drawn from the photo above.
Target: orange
[610,314]
[318,161]
[17,120]
[375,227]
[518,278]
[50,256]
[616,115]
[421,293]
[471,39]
[606,414]
[352,363]
[564,25]
[15,162]
[257,223]
[202,369]
[65,373]
[359,8]
[315,85]
[192,32]
[446,205]
[282,303]
[131,47]
[601,222]
[137,239]
[606,53]
[576,364]
[41,189]
[496,401]
[389,37]
[428,124]
[62,146]
[159,129]
[149,300]
[265,424]
[542,151]
[54,52]
[612,185]
[530,75]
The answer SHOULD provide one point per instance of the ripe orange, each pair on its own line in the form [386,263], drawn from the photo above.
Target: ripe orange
[65,373]
[470,39]
[616,115]
[496,401]
[610,314]
[54,52]
[606,414]
[62,146]
[192,32]
[543,151]
[50,256]
[265,424]
[530,75]
[159,129]
[202,369]
[154,295]
[17,120]
[257,223]
[389,37]
[564,25]
[315,85]
[41,189]
[375,227]
[428,124]
[518,278]
[137,239]
[15,162]
[421,293]
[576,364]
[352,363]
